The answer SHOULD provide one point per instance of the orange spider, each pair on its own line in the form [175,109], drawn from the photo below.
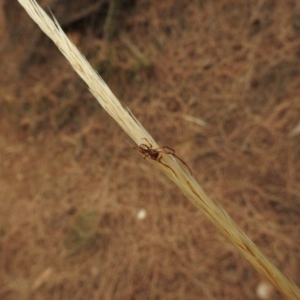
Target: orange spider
[156,154]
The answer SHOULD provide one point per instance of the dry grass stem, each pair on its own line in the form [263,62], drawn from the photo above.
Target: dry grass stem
[184,180]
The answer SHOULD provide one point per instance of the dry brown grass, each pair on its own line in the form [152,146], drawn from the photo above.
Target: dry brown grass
[71,187]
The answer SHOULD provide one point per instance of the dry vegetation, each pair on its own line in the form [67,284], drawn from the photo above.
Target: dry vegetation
[217,82]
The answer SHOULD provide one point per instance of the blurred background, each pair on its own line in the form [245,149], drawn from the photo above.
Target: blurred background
[82,215]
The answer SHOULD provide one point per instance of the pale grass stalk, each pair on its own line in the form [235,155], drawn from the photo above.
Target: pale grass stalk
[184,180]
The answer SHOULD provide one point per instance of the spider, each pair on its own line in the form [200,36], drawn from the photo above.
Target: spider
[156,154]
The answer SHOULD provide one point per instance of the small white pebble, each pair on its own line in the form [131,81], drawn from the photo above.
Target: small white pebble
[141,215]
[264,290]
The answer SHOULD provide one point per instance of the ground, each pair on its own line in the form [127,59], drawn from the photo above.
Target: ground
[83,216]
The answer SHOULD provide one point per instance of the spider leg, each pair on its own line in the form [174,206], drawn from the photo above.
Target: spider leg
[173,154]
[159,160]
[170,151]
[140,151]
[137,149]
[167,150]
[148,142]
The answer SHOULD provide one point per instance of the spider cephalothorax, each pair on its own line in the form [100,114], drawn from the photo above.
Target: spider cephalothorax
[156,154]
